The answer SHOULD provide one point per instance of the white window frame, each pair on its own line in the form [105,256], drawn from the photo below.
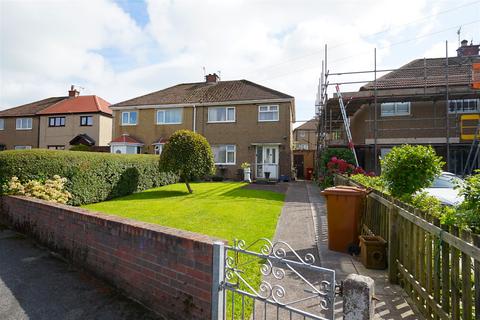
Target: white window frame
[226,115]
[129,117]
[395,113]
[23,147]
[302,133]
[169,109]
[269,107]
[232,146]
[2,124]
[21,123]
[455,101]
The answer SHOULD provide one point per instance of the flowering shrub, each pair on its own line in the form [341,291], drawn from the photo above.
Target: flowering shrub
[50,190]
[340,166]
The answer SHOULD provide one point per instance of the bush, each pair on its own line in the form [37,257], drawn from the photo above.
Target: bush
[80,147]
[407,169]
[339,153]
[372,182]
[189,155]
[469,209]
[92,177]
[50,190]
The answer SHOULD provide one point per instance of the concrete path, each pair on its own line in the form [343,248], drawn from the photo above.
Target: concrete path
[303,225]
[392,300]
[35,285]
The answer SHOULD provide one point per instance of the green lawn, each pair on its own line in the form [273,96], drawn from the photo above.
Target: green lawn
[221,209]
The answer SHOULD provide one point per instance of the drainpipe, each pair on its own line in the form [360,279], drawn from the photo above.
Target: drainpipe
[194,118]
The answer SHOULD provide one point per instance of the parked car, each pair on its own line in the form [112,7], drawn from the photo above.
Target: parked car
[443,188]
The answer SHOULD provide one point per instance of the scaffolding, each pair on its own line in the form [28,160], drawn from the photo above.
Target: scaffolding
[330,126]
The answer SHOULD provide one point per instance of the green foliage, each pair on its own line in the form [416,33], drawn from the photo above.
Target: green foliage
[189,155]
[324,177]
[340,153]
[407,169]
[374,182]
[80,147]
[469,210]
[50,190]
[92,176]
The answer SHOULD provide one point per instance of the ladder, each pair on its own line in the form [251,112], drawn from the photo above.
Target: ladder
[473,154]
[346,123]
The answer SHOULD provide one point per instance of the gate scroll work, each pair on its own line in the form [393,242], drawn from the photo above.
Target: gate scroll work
[270,280]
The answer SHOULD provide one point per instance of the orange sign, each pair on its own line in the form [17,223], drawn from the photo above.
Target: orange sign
[476,76]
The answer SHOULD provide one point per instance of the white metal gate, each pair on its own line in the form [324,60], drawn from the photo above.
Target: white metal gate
[265,280]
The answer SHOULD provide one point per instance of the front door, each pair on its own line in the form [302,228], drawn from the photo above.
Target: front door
[267,161]
[298,162]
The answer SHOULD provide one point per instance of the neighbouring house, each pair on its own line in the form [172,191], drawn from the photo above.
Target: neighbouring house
[57,123]
[242,121]
[425,102]
[304,148]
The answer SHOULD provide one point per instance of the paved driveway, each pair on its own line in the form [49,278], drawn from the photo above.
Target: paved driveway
[36,285]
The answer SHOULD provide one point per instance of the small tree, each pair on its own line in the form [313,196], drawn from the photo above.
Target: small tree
[189,155]
[407,169]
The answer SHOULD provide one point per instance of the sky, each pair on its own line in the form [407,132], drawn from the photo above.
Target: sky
[120,49]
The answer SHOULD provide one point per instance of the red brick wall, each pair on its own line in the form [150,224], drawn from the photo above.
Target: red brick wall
[168,270]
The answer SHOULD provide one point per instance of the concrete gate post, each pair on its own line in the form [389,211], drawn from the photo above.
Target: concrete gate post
[358,292]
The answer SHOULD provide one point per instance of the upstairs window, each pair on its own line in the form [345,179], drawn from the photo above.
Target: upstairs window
[464,105]
[221,114]
[301,133]
[169,116]
[23,147]
[268,113]
[389,109]
[224,154]
[2,124]
[129,118]
[86,121]
[24,124]
[56,121]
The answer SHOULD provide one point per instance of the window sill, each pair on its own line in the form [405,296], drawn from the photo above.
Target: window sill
[394,115]
[168,124]
[20,129]
[268,120]
[127,125]
[225,164]
[221,121]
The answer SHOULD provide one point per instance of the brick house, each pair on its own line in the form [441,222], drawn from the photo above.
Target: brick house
[57,123]
[304,148]
[242,121]
[412,108]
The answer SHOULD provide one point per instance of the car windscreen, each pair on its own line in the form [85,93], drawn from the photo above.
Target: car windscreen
[446,182]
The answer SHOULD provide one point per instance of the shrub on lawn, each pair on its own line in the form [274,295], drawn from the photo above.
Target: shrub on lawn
[52,190]
[189,155]
[91,176]
[407,169]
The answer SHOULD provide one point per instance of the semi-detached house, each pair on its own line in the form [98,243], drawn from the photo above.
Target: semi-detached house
[57,123]
[242,121]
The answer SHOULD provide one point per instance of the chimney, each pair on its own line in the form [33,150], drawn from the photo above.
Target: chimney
[466,50]
[212,78]
[73,92]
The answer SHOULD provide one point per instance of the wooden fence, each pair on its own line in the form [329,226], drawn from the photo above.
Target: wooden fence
[438,266]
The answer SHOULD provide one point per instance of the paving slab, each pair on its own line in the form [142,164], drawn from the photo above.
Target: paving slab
[36,285]
[392,300]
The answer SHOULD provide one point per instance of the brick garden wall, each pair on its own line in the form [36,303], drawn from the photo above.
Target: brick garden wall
[168,270]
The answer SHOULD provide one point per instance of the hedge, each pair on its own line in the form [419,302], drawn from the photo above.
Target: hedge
[92,177]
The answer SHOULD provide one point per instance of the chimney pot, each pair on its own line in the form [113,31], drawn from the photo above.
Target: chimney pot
[464,43]
[212,78]
[73,92]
